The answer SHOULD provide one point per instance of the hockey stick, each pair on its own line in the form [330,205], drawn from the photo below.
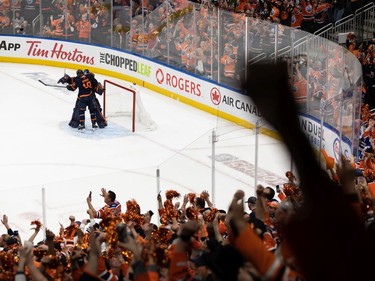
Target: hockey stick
[51,85]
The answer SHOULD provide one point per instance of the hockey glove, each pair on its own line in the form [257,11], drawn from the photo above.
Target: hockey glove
[70,87]
[64,79]
[61,80]
[99,89]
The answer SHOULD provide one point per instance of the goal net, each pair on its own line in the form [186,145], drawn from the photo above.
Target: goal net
[123,105]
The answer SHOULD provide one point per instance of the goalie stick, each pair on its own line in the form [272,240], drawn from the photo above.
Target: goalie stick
[51,85]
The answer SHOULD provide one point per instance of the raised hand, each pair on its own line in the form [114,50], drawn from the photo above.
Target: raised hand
[205,194]
[5,221]
[49,235]
[159,197]
[72,220]
[104,192]
[89,197]
[267,85]
[235,216]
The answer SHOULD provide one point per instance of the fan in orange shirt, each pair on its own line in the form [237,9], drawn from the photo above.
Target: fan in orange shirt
[299,86]
[4,20]
[297,17]
[84,28]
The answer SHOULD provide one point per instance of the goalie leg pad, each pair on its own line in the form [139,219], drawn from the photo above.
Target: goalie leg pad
[74,121]
[82,104]
[92,109]
[100,120]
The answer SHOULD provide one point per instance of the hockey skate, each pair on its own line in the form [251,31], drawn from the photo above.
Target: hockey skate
[81,128]
[94,126]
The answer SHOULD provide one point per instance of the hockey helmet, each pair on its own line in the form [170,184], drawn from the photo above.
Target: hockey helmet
[86,71]
[79,72]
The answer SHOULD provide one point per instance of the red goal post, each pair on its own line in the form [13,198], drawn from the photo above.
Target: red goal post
[111,109]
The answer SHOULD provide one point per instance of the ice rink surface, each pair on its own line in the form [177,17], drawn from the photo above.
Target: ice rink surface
[47,169]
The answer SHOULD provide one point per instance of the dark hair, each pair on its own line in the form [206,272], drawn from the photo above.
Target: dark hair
[112,195]
[57,245]
[218,262]
[251,200]
[368,149]
[11,240]
[200,202]
[271,193]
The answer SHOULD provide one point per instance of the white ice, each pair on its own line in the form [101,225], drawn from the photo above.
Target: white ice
[42,159]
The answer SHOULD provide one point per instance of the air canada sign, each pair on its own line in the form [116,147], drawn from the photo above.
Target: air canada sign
[179,83]
[241,104]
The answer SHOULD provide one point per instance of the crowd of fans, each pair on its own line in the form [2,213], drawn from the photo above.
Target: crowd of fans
[365,52]
[194,240]
[188,39]
[306,14]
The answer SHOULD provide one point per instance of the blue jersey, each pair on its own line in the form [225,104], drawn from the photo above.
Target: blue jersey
[86,85]
[114,207]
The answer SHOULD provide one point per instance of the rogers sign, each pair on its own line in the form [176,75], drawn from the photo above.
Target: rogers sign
[179,83]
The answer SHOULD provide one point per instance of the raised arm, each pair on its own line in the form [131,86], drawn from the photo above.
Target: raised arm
[315,234]
[28,253]
[267,85]
[206,197]
[91,211]
[37,228]
[5,222]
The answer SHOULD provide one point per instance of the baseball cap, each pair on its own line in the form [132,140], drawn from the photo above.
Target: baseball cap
[251,199]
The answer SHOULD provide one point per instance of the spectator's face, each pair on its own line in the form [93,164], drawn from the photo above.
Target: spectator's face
[222,216]
[107,200]
[251,206]
[271,210]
